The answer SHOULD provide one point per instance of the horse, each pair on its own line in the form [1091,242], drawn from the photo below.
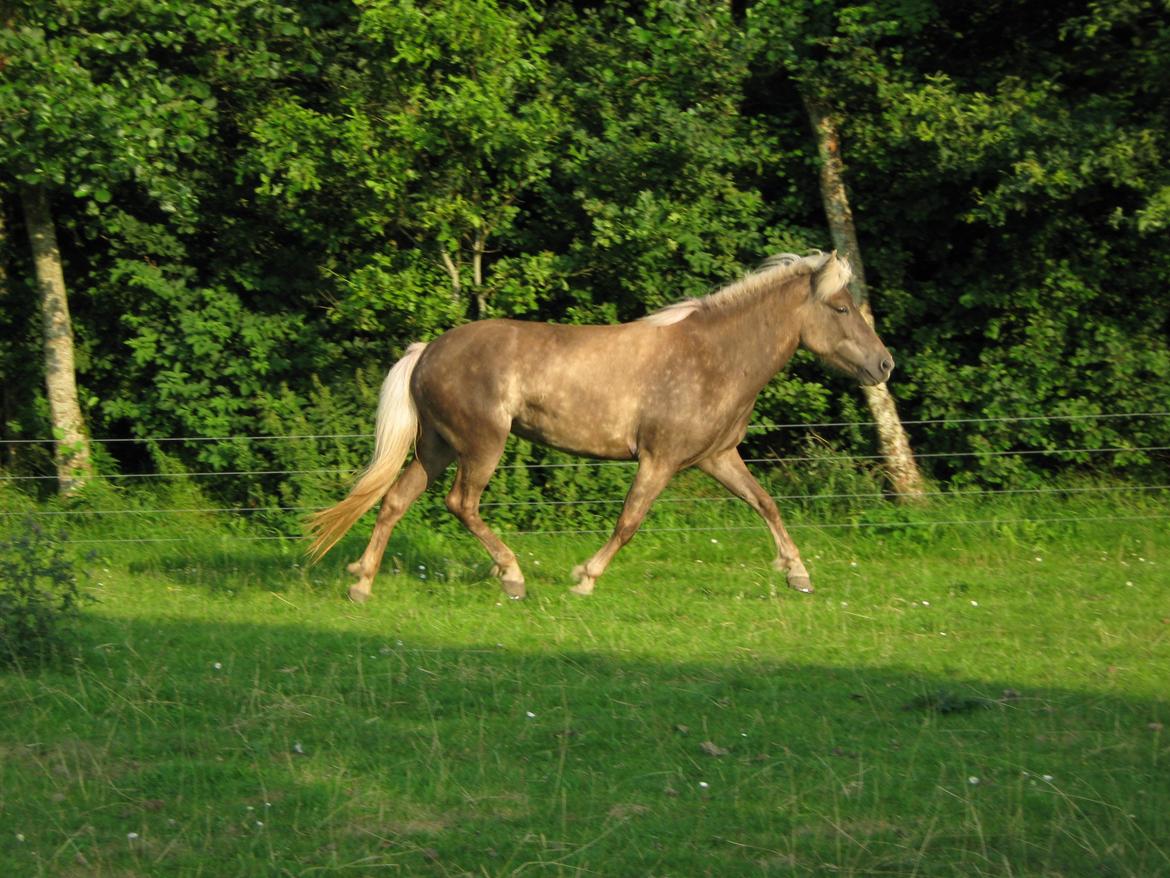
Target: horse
[671,390]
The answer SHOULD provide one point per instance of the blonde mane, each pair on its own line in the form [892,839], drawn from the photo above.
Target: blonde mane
[832,272]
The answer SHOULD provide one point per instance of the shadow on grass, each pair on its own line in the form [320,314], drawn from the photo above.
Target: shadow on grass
[220,563]
[225,747]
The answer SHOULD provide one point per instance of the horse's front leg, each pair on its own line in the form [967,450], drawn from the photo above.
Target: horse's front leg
[651,479]
[728,468]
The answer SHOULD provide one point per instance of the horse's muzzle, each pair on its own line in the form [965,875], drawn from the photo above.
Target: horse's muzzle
[877,370]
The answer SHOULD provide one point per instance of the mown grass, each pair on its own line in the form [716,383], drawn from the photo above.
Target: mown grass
[954,700]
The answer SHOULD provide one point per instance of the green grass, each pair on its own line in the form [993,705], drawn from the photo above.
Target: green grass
[953,701]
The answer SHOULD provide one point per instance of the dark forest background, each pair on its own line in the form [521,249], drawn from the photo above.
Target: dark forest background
[259,205]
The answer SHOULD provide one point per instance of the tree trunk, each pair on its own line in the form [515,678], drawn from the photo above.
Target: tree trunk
[479,248]
[901,468]
[74,467]
[453,273]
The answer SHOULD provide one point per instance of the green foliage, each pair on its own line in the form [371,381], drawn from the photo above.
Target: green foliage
[40,596]
[136,118]
[261,205]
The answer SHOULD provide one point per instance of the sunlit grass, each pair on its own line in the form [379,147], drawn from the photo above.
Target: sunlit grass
[978,700]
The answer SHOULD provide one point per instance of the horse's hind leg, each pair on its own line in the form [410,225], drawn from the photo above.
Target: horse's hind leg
[729,470]
[471,478]
[650,481]
[432,456]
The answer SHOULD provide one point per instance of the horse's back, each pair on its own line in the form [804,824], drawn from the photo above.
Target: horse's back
[579,388]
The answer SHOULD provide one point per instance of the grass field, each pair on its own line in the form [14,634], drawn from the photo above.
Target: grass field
[985,699]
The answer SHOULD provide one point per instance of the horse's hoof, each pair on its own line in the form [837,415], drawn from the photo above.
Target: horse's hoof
[584,582]
[514,589]
[359,595]
[800,583]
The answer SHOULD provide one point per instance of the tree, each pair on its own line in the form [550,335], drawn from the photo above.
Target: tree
[654,197]
[1020,161]
[74,467]
[823,49]
[901,469]
[81,113]
[436,142]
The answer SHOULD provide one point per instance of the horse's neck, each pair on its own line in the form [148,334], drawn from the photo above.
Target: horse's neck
[758,334]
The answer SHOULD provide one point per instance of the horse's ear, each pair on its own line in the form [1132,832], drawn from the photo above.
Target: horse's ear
[833,275]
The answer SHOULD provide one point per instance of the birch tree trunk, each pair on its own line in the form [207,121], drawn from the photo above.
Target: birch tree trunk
[74,467]
[478,300]
[901,468]
[479,248]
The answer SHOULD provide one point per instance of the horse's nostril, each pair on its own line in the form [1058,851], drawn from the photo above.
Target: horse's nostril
[887,365]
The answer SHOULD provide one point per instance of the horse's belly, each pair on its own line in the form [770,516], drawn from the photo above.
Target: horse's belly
[584,433]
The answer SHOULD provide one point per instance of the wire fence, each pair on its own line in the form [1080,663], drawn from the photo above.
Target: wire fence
[822,526]
[982,493]
[828,458]
[877,498]
[752,428]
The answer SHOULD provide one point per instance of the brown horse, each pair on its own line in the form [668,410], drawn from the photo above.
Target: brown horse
[672,390]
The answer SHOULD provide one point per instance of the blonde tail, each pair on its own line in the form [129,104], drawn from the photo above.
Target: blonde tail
[394,434]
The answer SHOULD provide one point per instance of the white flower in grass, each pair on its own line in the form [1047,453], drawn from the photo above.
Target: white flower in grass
[974,603]
[131,836]
[20,837]
[217,665]
[530,714]
[1047,778]
[926,603]
[703,785]
[973,780]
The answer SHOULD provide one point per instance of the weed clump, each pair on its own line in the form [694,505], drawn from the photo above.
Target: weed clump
[40,598]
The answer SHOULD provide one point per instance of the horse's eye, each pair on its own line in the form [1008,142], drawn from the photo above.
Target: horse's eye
[841,309]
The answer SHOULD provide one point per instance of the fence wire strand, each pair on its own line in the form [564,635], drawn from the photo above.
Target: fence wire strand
[759,427]
[770,461]
[601,501]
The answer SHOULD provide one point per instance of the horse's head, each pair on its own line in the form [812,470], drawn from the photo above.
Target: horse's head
[834,329]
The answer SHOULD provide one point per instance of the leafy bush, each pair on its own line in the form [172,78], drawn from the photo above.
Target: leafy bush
[39,596]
